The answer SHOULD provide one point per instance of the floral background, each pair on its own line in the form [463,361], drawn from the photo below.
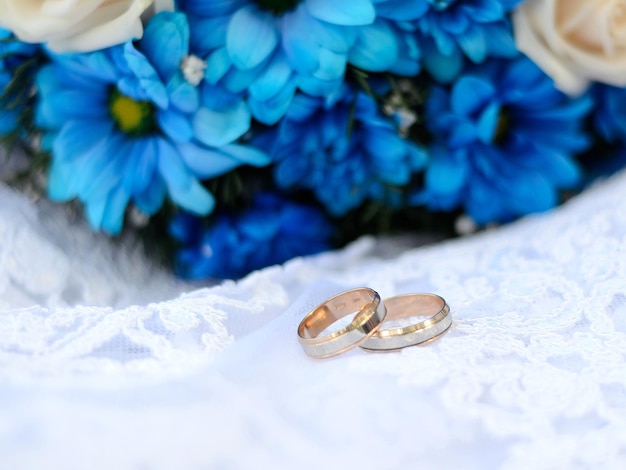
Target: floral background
[242,133]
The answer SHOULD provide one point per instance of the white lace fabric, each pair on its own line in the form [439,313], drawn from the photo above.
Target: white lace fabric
[531,375]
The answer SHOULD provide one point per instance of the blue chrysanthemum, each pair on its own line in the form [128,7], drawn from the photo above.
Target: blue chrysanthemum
[505,141]
[131,124]
[14,55]
[609,122]
[609,115]
[269,48]
[271,231]
[345,151]
[454,29]
[390,43]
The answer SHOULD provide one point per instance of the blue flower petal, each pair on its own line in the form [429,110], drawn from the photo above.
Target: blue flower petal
[474,43]
[59,103]
[462,134]
[55,109]
[300,26]
[531,192]
[151,200]
[166,31]
[561,170]
[213,7]
[62,186]
[207,162]
[113,214]
[246,154]
[376,49]
[302,108]
[76,140]
[470,94]
[484,10]
[183,188]
[418,156]
[252,36]
[444,68]
[332,66]
[455,22]
[353,13]
[500,40]
[488,123]
[141,168]
[270,111]
[215,97]
[89,68]
[301,51]
[272,80]
[95,212]
[402,10]
[239,81]
[444,174]
[183,95]
[144,81]
[316,87]
[207,33]
[218,64]
[175,125]
[110,172]
[217,128]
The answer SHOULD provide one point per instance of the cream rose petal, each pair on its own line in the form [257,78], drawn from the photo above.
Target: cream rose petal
[111,24]
[597,52]
[574,41]
[74,25]
[530,43]
[598,69]
[29,23]
[58,7]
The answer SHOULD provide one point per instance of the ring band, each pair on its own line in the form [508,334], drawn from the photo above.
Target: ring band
[409,305]
[369,312]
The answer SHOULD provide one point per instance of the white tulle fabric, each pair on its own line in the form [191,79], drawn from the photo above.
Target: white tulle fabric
[107,364]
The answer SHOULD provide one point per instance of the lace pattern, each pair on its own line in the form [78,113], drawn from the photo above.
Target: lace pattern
[532,373]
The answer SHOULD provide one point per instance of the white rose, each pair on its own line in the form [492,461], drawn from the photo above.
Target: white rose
[74,25]
[574,41]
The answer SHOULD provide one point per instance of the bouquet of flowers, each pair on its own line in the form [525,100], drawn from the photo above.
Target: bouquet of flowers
[249,132]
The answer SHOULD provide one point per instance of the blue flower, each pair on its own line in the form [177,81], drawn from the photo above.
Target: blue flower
[270,48]
[271,231]
[390,43]
[343,150]
[609,123]
[131,124]
[609,116]
[14,55]
[455,29]
[504,142]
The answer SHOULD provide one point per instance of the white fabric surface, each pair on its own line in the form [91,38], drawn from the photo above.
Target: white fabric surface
[531,375]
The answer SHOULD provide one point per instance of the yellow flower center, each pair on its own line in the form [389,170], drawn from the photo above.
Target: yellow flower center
[133,117]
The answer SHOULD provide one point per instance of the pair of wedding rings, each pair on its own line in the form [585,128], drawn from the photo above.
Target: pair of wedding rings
[369,312]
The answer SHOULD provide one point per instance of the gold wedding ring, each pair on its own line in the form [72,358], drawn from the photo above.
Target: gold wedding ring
[369,313]
[405,306]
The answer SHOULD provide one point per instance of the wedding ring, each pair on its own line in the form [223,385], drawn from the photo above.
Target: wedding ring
[405,306]
[369,313]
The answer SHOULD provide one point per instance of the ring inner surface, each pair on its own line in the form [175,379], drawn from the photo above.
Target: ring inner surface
[405,306]
[413,305]
[358,302]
